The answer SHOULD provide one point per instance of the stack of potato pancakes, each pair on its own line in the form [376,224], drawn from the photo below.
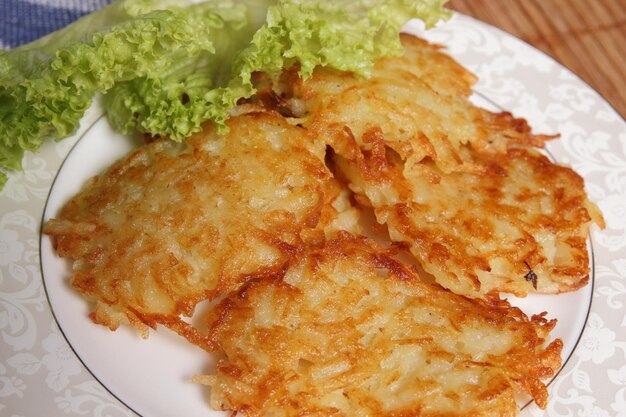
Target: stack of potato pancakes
[353,236]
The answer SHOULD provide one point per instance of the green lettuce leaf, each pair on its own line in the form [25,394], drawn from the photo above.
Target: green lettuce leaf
[195,88]
[167,66]
[45,89]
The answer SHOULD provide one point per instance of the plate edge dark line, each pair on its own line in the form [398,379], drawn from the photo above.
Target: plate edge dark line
[592,269]
[43,281]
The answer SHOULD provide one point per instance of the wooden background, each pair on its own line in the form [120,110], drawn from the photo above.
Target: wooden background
[586,36]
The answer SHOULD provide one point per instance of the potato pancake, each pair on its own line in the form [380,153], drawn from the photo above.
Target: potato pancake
[481,209]
[174,224]
[419,102]
[347,330]
[515,223]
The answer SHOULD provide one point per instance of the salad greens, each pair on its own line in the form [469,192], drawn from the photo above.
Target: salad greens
[166,66]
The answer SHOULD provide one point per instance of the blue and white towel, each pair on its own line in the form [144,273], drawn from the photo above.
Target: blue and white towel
[22,21]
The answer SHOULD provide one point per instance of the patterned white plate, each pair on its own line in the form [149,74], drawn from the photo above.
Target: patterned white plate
[42,374]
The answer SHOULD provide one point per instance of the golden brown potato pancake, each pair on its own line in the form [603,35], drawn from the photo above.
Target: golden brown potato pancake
[514,223]
[172,225]
[419,103]
[347,330]
[481,209]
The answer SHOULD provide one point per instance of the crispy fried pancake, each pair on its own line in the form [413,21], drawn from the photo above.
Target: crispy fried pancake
[515,223]
[418,101]
[172,224]
[481,209]
[349,331]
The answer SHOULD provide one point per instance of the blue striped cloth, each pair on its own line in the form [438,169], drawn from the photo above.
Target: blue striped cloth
[22,21]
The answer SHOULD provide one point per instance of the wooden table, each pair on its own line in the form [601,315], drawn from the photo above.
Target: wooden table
[586,36]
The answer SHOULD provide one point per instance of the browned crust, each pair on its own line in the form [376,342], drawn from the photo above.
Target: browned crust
[235,334]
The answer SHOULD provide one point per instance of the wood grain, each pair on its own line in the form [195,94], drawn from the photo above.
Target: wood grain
[586,36]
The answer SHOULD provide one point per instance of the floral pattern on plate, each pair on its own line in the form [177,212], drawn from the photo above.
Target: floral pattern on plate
[40,374]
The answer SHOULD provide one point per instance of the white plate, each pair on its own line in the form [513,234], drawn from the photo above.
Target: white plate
[41,374]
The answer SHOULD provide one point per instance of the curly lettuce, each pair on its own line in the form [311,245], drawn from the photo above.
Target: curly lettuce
[166,66]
